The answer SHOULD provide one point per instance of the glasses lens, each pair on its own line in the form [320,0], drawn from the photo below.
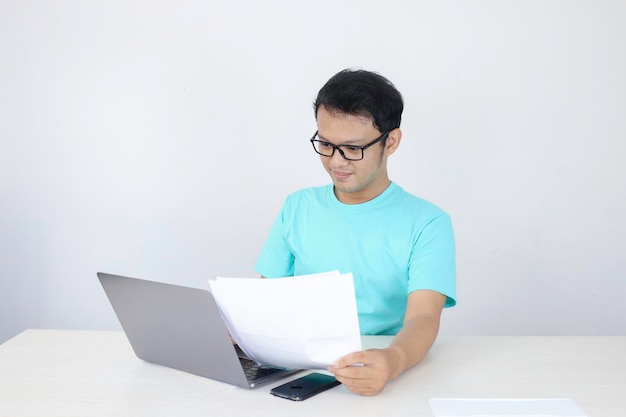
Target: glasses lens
[323,148]
[351,153]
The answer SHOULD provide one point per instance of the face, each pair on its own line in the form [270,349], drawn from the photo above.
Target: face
[356,181]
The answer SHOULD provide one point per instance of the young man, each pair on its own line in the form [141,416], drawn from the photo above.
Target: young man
[399,247]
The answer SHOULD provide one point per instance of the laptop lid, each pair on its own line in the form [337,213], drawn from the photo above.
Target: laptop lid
[178,327]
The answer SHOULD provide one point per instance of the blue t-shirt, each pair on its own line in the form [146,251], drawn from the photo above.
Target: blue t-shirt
[394,244]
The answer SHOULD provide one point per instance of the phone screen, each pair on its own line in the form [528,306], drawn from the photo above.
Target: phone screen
[305,387]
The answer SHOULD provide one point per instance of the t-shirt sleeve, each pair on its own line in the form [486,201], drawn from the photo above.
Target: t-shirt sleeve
[433,259]
[276,259]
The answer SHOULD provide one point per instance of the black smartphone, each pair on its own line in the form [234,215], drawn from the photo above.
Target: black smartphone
[305,387]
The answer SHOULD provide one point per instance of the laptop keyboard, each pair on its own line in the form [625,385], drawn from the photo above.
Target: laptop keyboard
[255,371]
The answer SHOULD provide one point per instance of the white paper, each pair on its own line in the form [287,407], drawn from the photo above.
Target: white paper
[483,407]
[304,322]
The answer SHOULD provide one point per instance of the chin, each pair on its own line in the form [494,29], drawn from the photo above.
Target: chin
[344,188]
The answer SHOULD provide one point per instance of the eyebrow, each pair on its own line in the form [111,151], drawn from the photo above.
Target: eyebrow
[348,142]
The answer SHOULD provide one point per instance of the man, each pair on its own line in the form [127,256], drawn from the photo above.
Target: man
[399,247]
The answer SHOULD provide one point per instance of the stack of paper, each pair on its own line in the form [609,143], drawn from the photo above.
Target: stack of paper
[296,322]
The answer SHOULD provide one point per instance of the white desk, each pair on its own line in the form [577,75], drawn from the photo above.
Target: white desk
[95,373]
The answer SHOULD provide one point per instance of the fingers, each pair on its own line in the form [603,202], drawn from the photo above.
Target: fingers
[361,384]
[364,373]
[352,359]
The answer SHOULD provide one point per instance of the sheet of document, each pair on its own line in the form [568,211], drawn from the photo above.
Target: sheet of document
[483,407]
[303,322]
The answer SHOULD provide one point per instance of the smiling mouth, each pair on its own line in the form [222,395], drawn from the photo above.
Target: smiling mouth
[341,175]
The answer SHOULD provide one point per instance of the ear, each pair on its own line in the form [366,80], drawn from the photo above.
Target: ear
[393,141]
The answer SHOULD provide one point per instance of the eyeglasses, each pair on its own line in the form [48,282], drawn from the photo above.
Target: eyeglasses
[349,152]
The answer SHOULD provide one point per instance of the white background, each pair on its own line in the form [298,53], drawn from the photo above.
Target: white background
[158,139]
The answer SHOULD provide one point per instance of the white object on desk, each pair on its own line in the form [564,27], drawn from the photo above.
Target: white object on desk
[482,407]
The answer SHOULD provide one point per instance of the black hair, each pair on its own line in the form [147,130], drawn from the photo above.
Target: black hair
[362,93]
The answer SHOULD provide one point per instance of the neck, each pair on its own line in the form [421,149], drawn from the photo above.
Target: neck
[362,196]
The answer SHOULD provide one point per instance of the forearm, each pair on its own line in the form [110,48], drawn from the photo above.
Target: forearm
[412,343]
[378,366]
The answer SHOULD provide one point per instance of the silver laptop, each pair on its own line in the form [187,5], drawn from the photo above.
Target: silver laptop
[181,328]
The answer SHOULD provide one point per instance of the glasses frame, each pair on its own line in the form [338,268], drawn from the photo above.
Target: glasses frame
[338,147]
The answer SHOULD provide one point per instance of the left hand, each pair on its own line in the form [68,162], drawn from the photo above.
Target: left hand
[378,367]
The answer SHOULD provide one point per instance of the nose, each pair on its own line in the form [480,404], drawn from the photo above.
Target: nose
[337,160]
